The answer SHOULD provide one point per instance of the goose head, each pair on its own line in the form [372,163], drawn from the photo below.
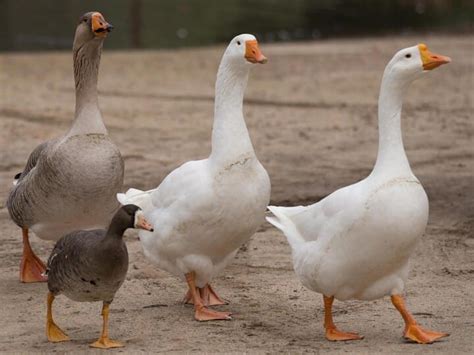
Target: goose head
[132,217]
[410,63]
[92,28]
[244,50]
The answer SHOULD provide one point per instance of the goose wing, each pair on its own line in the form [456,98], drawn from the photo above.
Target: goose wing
[32,161]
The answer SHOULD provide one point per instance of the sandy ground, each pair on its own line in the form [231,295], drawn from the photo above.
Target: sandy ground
[311,112]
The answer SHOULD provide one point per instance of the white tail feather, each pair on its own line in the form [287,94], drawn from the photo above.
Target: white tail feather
[286,225]
[136,197]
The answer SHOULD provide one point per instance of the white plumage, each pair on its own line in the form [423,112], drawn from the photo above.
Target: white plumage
[356,242]
[205,210]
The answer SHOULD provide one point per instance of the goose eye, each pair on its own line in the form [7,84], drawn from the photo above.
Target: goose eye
[408,55]
[238,43]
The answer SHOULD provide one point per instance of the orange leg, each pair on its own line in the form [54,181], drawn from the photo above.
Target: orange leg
[332,333]
[212,298]
[31,268]
[412,330]
[208,297]
[188,297]
[201,313]
[104,342]
[53,332]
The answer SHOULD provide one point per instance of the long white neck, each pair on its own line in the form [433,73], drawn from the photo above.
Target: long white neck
[391,158]
[88,118]
[230,137]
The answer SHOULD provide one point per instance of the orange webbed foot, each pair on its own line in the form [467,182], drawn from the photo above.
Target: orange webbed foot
[32,269]
[333,334]
[413,331]
[417,334]
[54,333]
[106,343]
[205,314]
[208,297]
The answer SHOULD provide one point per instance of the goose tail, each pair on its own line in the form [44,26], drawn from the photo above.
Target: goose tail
[286,225]
[136,197]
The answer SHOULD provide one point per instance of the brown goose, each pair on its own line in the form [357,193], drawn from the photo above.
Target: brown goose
[90,266]
[70,183]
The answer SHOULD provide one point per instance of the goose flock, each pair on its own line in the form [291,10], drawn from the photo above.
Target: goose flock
[355,243]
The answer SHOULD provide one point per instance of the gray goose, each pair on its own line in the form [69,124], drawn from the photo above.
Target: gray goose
[70,183]
[90,266]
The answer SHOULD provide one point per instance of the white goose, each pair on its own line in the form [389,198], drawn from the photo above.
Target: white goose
[356,242]
[205,210]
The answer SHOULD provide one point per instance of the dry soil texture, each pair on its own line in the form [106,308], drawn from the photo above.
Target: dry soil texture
[311,113]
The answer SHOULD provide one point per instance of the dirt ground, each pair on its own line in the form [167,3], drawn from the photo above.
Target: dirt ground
[311,113]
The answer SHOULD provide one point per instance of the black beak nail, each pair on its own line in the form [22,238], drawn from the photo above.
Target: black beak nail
[110,28]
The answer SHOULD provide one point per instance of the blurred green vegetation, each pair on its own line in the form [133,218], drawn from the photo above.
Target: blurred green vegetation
[49,24]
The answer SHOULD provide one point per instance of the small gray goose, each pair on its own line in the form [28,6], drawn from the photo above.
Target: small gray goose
[70,183]
[90,266]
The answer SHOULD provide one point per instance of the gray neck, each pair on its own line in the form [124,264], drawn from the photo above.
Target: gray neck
[230,137]
[119,224]
[88,118]
[391,158]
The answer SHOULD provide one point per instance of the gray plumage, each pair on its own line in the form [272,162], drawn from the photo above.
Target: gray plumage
[71,182]
[88,266]
[68,185]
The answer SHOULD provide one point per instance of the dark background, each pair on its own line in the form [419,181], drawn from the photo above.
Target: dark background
[49,24]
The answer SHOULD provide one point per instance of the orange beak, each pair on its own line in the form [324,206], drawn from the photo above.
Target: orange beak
[431,60]
[100,27]
[142,223]
[253,53]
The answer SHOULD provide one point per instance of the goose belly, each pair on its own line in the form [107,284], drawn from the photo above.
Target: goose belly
[81,291]
[76,186]
[241,211]
[370,259]
[203,246]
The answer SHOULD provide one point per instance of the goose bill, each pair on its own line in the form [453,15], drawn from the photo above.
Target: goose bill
[253,53]
[142,223]
[431,60]
[100,27]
